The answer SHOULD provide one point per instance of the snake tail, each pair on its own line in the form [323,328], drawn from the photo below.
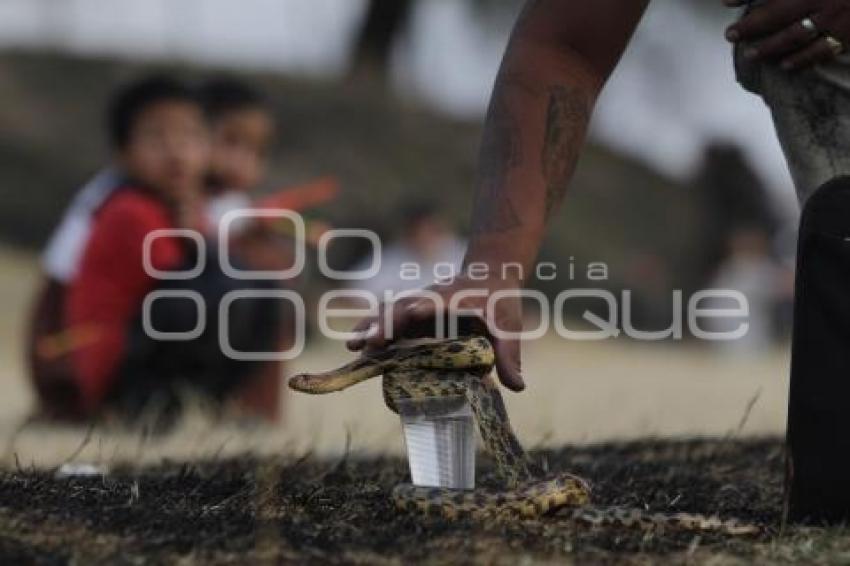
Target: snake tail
[529,501]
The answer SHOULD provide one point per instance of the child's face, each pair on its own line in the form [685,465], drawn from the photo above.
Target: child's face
[168,149]
[239,148]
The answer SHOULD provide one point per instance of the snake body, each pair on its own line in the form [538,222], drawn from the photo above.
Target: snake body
[461,368]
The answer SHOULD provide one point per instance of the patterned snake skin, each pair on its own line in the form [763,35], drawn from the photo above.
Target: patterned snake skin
[461,367]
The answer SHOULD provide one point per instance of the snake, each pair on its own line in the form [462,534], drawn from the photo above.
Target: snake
[461,368]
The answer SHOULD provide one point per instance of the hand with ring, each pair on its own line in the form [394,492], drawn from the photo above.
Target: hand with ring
[797,34]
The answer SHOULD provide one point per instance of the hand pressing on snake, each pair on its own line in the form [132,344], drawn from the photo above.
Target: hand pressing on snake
[461,368]
[464,297]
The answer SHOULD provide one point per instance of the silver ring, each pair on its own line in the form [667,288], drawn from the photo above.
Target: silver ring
[810,26]
[836,45]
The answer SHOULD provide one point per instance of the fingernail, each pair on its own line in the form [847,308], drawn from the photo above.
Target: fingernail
[732,34]
[517,382]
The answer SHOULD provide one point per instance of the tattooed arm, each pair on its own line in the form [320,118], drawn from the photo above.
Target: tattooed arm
[560,55]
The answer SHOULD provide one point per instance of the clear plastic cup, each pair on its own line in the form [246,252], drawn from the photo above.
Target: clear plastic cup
[439,434]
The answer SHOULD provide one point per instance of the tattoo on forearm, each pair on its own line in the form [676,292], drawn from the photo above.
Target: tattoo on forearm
[567,116]
[501,151]
[566,123]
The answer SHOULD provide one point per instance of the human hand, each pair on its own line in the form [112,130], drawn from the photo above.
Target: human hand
[796,33]
[408,316]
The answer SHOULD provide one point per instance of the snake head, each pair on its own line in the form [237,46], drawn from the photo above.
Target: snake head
[361,369]
[467,353]
[310,383]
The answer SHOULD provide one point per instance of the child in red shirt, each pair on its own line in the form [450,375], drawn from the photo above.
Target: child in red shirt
[160,139]
[115,364]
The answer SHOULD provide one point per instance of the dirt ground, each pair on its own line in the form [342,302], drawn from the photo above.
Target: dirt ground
[308,510]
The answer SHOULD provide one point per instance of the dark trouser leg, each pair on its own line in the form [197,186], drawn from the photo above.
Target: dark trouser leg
[156,370]
[819,402]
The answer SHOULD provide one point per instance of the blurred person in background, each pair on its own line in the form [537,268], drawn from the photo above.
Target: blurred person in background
[103,361]
[427,248]
[750,268]
[741,248]
[242,128]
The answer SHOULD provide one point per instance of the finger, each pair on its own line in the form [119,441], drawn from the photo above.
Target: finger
[362,328]
[508,364]
[818,52]
[405,312]
[424,320]
[767,19]
[785,42]
[422,309]
[399,319]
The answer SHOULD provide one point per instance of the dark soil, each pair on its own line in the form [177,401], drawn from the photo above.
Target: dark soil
[308,510]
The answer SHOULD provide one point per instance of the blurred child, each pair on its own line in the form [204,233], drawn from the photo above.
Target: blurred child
[242,129]
[161,143]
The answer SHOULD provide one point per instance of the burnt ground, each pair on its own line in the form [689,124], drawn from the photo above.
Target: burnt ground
[308,510]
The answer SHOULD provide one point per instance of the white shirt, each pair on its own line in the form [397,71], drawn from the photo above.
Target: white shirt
[402,269]
[64,251]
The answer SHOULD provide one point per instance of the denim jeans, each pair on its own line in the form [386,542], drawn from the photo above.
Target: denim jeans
[811,113]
